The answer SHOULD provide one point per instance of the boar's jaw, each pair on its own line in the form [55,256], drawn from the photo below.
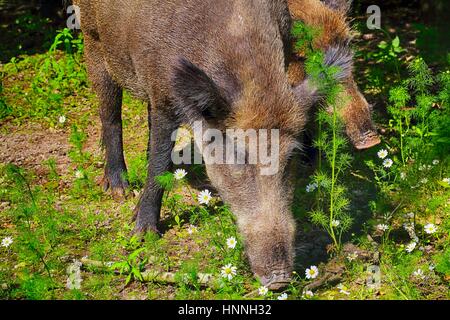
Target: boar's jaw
[367,141]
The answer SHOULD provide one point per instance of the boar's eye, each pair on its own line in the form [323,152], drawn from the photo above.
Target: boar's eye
[196,95]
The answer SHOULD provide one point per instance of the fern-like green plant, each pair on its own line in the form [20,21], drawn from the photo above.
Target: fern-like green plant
[332,203]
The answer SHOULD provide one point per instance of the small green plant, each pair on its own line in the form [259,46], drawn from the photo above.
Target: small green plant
[331,207]
[389,52]
[5,110]
[132,266]
[418,126]
[387,57]
[56,76]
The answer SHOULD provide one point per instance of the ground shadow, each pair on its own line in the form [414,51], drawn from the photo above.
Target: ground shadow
[28,27]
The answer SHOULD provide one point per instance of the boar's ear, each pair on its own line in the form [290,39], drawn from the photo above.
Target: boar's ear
[339,5]
[338,56]
[196,95]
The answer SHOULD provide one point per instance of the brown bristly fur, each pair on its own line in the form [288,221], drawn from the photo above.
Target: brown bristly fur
[332,24]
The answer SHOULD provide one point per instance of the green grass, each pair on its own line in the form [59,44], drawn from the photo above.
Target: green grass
[56,214]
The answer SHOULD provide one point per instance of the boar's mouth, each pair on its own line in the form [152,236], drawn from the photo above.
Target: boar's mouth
[367,140]
[276,281]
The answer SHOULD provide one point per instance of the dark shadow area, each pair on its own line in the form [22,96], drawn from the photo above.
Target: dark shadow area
[29,27]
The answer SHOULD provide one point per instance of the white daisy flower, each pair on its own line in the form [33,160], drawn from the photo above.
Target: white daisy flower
[436,162]
[335,223]
[352,256]
[410,247]
[228,271]
[430,228]
[263,291]
[79,174]
[308,294]
[180,174]
[192,229]
[204,197]
[382,154]
[312,272]
[388,163]
[431,267]
[424,181]
[311,187]
[418,273]
[62,119]
[403,175]
[343,289]
[74,276]
[283,296]
[231,243]
[383,227]
[446,180]
[6,242]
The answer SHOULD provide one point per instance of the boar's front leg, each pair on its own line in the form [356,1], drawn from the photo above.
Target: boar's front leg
[161,125]
[110,98]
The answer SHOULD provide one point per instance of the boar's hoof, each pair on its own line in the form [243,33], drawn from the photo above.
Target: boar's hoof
[143,225]
[276,281]
[116,185]
[142,229]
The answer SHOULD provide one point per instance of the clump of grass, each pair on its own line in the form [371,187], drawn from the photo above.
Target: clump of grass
[57,75]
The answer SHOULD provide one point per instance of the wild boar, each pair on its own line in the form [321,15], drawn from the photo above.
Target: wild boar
[218,62]
[330,17]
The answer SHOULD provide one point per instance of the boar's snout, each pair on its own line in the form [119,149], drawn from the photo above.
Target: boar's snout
[277,280]
[367,140]
[358,120]
[271,253]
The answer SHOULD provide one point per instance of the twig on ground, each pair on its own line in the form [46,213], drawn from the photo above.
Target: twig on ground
[204,279]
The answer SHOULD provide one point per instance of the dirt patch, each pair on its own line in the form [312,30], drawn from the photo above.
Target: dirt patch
[30,147]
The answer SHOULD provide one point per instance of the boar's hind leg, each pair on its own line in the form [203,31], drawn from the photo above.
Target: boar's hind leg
[160,148]
[110,98]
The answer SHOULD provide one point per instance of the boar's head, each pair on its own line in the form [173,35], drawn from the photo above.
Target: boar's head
[330,16]
[356,112]
[259,193]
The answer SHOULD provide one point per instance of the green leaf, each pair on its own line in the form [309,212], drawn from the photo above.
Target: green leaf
[166,181]
[396,42]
